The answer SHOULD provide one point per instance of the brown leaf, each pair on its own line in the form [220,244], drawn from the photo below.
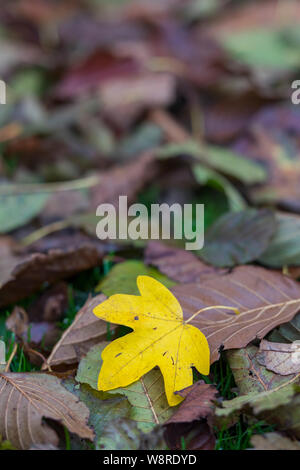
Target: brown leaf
[85,331]
[264,298]
[281,358]
[126,180]
[179,264]
[198,403]
[25,399]
[23,274]
[273,441]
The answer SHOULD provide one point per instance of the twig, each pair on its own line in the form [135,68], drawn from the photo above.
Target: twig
[13,353]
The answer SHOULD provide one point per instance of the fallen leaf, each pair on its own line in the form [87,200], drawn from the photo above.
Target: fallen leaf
[17,210]
[287,332]
[264,298]
[23,274]
[122,434]
[84,332]
[178,264]
[160,338]
[103,410]
[122,278]
[283,359]
[268,396]
[149,404]
[252,376]
[238,237]
[284,249]
[126,180]
[27,398]
[197,404]
[273,441]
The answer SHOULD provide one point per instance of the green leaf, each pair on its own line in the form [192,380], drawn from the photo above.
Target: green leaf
[238,237]
[147,395]
[103,410]
[220,159]
[206,176]
[17,210]
[262,48]
[284,249]
[121,279]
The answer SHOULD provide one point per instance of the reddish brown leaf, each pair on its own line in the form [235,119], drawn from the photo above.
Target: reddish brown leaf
[179,264]
[198,403]
[264,298]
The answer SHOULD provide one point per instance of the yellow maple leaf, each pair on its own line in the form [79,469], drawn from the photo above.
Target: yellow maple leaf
[160,338]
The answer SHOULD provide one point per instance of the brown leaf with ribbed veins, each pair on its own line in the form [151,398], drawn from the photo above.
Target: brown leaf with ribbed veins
[264,298]
[25,399]
[85,331]
[281,358]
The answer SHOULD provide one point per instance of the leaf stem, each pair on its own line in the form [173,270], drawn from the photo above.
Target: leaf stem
[224,307]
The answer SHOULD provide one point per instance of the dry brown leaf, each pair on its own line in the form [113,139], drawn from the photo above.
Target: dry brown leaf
[198,403]
[85,331]
[23,274]
[264,298]
[281,358]
[25,399]
[273,441]
[179,264]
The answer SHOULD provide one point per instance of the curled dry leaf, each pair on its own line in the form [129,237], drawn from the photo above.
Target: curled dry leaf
[264,298]
[23,274]
[281,358]
[178,264]
[25,399]
[85,331]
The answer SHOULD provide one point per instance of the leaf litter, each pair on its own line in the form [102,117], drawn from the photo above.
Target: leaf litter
[165,102]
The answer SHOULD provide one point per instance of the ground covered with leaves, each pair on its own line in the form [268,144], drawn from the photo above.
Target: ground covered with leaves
[168,101]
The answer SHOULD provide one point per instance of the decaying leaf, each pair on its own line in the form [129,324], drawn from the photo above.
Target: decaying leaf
[268,396]
[85,331]
[238,237]
[160,338]
[146,396]
[281,358]
[264,298]
[25,399]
